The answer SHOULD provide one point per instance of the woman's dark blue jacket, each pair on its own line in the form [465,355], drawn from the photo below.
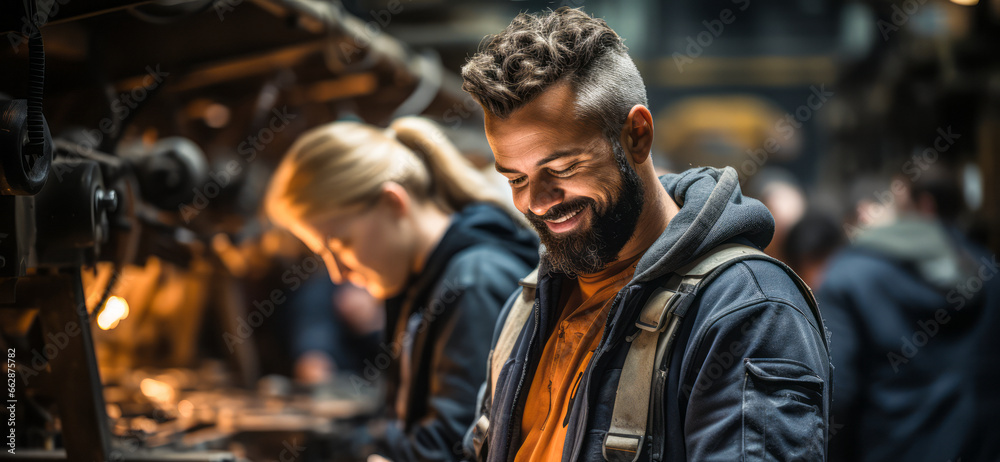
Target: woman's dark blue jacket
[434,357]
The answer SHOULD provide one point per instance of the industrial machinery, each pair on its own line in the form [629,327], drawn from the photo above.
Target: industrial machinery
[160,115]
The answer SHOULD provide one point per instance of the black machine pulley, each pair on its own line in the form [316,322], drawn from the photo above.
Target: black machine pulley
[23,170]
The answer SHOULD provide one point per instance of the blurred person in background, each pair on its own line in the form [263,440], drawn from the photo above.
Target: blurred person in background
[323,331]
[872,203]
[780,192]
[400,213]
[913,307]
[332,330]
[811,243]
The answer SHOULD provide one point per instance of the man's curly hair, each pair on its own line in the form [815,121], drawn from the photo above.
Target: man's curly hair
[536,51]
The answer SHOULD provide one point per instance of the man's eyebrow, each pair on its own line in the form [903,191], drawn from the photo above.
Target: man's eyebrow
[549,158]
[503,169]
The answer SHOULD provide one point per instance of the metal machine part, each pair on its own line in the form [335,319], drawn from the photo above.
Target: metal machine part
[55,233]
[27,144]
[72,214]
[170,172]
[70,368]
[23,170]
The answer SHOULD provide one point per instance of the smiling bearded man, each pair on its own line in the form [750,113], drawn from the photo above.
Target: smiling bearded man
[654,328]
[589,249]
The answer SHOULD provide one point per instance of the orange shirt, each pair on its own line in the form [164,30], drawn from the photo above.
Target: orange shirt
[585,306]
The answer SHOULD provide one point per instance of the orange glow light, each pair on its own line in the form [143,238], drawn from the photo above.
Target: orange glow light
[115,309]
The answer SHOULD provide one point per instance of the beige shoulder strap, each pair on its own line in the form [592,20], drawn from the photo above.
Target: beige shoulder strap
[658,324]
[518,315]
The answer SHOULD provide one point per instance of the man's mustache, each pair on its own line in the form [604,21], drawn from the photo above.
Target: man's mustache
[559,210]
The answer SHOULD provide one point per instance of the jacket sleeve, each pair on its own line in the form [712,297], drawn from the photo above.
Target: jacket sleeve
[756,386]
[485,280]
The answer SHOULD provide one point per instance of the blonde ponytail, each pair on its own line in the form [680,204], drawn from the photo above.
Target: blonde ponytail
[454,181]
[344,164]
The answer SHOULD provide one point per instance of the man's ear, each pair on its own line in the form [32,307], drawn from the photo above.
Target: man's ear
[397,198]
[637,134]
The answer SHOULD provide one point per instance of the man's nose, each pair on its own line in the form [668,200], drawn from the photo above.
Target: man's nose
[543,194]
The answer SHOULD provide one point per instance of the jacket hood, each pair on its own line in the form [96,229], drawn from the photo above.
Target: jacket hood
[925,245]
[476,224]
[713,211]
[488,224]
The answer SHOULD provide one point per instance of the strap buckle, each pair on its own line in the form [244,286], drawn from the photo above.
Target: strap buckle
[619,447]
[479,433]
[656,311]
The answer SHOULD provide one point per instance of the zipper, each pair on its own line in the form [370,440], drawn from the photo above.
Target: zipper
[572,395]
[659,389]
[585,380]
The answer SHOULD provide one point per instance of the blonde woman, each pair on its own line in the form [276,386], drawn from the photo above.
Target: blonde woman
[400,213]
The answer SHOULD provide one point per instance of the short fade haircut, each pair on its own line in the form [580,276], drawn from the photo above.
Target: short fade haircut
[537,51]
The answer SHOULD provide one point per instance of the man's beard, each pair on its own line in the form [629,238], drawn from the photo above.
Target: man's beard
[592,249]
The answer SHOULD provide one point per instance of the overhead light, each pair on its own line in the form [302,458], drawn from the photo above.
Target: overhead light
[115,309]
[965,2]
